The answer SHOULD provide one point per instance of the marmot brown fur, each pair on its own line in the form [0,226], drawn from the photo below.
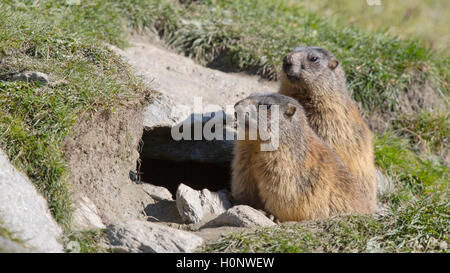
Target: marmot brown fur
[315,78]
[302,179]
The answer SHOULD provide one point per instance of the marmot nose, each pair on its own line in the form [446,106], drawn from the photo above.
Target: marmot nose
[287,62]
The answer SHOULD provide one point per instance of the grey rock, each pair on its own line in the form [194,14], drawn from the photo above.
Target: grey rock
[157,192]
[214,202]
[189,204]
[164,116]
[163,112]
[163,211]
[241,216]
[86,215]
[194,206]
[9,246]
[24,212]
[147,237]
[31,76]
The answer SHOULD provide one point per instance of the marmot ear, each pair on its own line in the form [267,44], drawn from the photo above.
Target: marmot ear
[290,110]
[333,63]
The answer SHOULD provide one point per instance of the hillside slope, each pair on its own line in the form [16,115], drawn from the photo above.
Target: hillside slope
[400,85]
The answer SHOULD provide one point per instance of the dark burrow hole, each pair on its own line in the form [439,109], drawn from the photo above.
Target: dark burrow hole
[170,174]
[197,164]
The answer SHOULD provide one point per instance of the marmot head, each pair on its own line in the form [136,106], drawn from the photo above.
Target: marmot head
[273,117]
[314,70]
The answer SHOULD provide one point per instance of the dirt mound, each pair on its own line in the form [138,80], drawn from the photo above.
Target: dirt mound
[102,153]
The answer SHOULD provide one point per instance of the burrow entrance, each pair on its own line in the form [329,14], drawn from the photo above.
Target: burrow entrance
[198,164]
[170,174]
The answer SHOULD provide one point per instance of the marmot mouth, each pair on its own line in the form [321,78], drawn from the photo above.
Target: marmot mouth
[293,78]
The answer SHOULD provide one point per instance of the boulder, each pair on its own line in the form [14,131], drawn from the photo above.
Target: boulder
[241,216]
[86,215]
[189,204]
[147,237]
[194,206]
[164,117]
[31,76]
[163,211]
[24,212]
[156,192]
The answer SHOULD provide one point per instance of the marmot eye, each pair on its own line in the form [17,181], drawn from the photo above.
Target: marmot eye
[313,58]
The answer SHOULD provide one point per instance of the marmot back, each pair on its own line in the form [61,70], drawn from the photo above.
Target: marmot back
[315,78]
[302,179]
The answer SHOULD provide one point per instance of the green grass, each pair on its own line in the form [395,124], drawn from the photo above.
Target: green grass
[426,130]
[414,172]
[420,226]
[427,20]
[85,241]
[254,35]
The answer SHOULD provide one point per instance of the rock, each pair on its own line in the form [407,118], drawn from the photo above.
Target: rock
[9,246]
[31,76]
[163,112]
[163,211]
[214,202]
[147,237]
[163,116]
[86,215]
[156,192]
[194,206]
[24,212]
[189,204]
[241,216]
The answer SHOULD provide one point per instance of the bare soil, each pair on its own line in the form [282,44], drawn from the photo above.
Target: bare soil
[102,153]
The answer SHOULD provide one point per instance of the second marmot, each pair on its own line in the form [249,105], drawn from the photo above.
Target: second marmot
[315,78]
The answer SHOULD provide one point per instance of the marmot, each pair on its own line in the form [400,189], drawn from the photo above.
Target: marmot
[315,78]
[303,179]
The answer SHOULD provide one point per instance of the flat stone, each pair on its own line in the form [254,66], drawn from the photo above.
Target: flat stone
[157,192]
[241,216]
[163,211]
[164,117]
[147,237]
